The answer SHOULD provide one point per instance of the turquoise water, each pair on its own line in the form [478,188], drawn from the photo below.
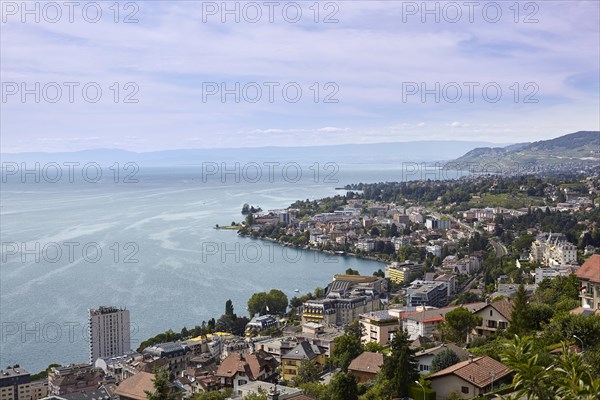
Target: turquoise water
[160,256]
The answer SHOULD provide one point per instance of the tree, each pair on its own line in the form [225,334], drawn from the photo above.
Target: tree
[343,386]
[229,309]
[278,301]
[214,395]
[314,389]
[308,371]
[351,271]
[393,230]
[354,328]
[345,349]
[319,292]
[274,302]
[520,323]
[400,367]
[568,377]
[163,390]
[458,324]
[444,359]
[373,347]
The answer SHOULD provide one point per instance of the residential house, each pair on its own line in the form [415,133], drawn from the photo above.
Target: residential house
[276,346]
[366,366]
[495,316]
[136,386]
[291,362]
[469,378]
[589,273]
[237,369]
[426,356]
[424,323]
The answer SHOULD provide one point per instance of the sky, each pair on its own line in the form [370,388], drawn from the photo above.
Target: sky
[156,75]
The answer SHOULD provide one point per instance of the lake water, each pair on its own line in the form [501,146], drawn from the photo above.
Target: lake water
[160,256]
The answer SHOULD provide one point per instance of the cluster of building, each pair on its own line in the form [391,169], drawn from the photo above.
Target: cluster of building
[258,364]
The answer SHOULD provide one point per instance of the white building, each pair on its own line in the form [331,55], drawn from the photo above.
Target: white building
[550,273]
[109,330]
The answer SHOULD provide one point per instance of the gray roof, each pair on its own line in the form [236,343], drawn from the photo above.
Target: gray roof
[303,350]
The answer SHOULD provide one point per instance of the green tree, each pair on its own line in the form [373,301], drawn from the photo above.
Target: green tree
[229,309]
[539,314]
[343,386]
[278,301]
[458,324]
[568,377]
[314,389]
[215,395]
[520,323]
[163,390]
[444,359]
[400,367]
[345,349]
[354,328]
[308,371]
[319,292]
[374,347]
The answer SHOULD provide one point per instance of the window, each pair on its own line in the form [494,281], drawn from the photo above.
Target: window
[464,389]
[491,313]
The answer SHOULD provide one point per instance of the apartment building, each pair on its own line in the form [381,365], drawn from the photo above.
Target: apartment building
[379,326]
[73,378]
[109,329]
[427,293]
[346,298]
[399,273]
[15,384]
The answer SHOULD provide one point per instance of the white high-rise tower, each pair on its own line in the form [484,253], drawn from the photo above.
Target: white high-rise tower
[109,330]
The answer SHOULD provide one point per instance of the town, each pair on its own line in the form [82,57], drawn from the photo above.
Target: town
[491,289]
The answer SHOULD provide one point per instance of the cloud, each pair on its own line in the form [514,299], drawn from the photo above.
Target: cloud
[352,75]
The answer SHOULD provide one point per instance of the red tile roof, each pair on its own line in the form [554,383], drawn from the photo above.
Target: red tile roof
[477,371]
[590,270]
[249,364]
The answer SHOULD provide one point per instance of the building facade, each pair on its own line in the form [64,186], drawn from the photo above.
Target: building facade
[15,384]
[109,329]
[589,273]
